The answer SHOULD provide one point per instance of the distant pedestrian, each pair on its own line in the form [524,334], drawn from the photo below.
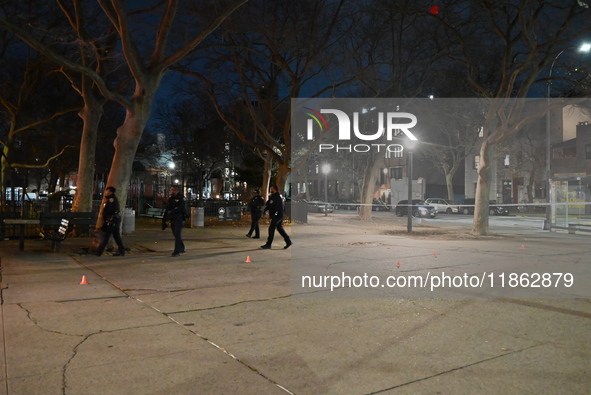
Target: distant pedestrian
[276,210]
[111,223]
[255,205]
[176,213]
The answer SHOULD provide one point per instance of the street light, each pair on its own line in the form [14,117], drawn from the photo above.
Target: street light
[408,147]
[326,170]
[585,48]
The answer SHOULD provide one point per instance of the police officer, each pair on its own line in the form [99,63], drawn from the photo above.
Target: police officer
[176,213]
[111,223]
[276,210]
[255,205]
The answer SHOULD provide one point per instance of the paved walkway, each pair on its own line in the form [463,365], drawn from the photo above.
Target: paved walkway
[210,323]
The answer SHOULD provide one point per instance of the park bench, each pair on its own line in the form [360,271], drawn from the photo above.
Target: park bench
[153,212]
[57,226]
[3,225]
[580,226]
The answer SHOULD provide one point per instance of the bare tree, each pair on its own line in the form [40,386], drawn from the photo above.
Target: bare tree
[147,63]
[273,51]
[522,38]
[196,135]
[453,127]
[395,52]
[21,99]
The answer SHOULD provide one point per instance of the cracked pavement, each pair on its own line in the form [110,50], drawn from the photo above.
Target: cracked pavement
[210,323]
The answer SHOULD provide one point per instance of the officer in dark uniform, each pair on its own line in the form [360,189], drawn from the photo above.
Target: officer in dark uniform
[176,213]
[276,210]
[111,222]
[255,206]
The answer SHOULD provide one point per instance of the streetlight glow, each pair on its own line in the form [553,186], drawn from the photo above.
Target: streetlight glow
[325,171]
[585,47]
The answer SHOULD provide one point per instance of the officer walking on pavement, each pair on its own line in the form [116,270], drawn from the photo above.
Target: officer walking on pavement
[111,223]
[276,210]
[255,205]
[176,213]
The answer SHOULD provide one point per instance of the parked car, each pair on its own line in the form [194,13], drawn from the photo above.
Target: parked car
[443,205]
[378,205]
[320,206]
[419,209]
[467,207]
[346,204]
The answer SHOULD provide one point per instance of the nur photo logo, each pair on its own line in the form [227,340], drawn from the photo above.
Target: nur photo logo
[354,127]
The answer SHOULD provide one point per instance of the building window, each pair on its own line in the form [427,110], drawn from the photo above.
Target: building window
[476,161]
[481,131]
[396,173]
[570,152]
[507,161]
[316,168]
[588,151]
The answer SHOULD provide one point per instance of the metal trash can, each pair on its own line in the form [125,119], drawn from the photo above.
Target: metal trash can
[128,221]
[197,217]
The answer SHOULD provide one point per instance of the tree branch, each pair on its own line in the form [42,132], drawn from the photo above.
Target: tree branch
[46,164]
[190,46]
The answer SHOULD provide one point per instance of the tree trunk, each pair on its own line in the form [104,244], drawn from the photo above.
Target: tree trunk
[5,168]
[282,176]
[450,186]
[91,115]
[530,185]
[267,169]
[128,138]
[368,189]
[480,224]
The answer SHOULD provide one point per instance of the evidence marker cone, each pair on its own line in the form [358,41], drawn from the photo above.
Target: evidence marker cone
[522,247]
[398,264]
[248,259]
[435,254]
[83,280]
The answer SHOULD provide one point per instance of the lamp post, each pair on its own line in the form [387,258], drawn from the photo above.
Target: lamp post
[326,170]
[548,223]
[408,147]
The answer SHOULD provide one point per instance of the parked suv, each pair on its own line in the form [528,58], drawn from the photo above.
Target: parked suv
[419,209]
[467,207]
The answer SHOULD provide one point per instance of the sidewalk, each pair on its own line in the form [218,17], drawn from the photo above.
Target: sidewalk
[210,323]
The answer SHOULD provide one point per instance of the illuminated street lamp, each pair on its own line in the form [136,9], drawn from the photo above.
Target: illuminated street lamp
[325,171]
[584,48]
[410,144]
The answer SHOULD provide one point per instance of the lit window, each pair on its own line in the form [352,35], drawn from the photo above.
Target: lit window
[476,161]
